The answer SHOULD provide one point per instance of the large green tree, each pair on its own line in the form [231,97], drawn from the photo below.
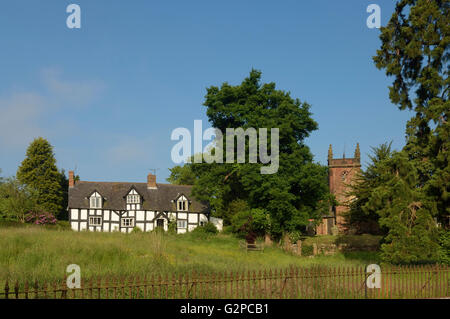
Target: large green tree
[16,200]
[293,194]
[415,51]
[181,175]
[38,171]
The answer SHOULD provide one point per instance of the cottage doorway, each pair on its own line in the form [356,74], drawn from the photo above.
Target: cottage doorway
[160,223]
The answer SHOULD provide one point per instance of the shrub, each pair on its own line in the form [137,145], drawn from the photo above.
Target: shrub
[204,231]
[210,228]
[238,221]
[254,220]
[40,218]
[307,250]
[136,230]
[260,221]
[198,232]
[237,206]
[227,230]
[11,223]
[444,242]
[63,224]
[172,226]
[295,236]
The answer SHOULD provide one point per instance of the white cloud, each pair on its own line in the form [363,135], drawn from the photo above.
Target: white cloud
[71,93]
[23,114]
[19,116]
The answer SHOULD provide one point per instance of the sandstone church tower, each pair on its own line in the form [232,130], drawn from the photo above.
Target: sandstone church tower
[341,173]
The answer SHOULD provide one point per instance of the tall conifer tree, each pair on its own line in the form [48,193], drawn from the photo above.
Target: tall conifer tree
[38,170]
[415,51]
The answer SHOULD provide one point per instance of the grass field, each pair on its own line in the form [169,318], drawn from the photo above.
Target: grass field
[35,253]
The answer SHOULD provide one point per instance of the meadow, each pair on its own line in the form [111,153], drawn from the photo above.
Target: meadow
[37,253]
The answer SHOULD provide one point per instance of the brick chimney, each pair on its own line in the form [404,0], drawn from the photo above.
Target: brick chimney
[71,179]
[151,181]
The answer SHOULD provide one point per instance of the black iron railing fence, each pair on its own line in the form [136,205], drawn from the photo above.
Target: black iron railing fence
[426,281]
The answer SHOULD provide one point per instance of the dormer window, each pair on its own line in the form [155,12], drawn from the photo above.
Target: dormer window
[182,204]
[95,200]
[133,199]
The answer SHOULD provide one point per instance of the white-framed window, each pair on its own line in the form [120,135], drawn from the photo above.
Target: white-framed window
[133,199]
[182,204]
[182,223]
[127,222]
[95,221]
[96,200]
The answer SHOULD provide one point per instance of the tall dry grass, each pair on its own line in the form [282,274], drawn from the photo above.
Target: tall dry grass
[43,255]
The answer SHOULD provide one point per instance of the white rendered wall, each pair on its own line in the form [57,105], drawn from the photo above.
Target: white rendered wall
[218,222]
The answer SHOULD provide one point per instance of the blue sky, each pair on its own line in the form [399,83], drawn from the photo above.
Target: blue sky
[107,96]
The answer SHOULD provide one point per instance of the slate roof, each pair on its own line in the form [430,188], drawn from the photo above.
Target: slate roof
[114,195]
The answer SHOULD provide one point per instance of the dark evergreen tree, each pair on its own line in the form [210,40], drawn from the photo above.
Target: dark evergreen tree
[64,182]
[406,212]
[362,217]
[415,51]
[38,171]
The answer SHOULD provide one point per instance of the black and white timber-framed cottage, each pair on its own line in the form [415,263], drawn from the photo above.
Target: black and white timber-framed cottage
[117,206]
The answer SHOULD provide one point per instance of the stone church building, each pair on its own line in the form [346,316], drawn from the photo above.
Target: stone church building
[341,173]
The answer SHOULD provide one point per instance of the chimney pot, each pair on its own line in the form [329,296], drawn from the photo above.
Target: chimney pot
[151,181]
